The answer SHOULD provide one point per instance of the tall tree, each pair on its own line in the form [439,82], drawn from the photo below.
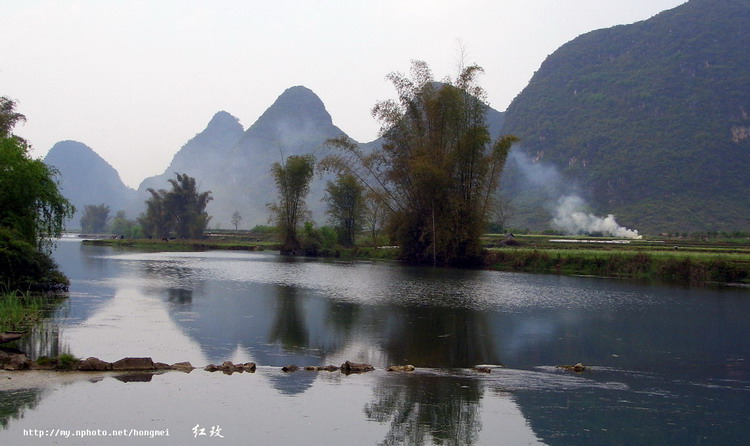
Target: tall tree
[155,221]
[180,210]
[438,168]
[186,207]
[236,219]
[293,184]
[345,207]
[374,215]
[94,219]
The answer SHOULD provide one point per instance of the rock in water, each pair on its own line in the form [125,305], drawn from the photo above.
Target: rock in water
[92,364]
[352,367]
[133,364]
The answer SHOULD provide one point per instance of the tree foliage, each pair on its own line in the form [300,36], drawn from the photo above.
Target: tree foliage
[124,227]
[32,211]
[181,211]
[345,207]
[293,184]
[9,117]
[94,219]
[31,203]
[438,168]
[650,120]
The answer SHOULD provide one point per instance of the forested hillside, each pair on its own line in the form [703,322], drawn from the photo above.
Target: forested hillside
[649,121]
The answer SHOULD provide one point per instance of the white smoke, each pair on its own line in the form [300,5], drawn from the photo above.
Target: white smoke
[569,210]
[571,218]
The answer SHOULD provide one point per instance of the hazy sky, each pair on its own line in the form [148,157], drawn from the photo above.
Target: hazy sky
[136,79]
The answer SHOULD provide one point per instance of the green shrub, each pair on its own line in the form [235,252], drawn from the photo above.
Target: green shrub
[24,267]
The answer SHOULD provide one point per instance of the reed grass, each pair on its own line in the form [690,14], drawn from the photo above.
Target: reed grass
[19,311]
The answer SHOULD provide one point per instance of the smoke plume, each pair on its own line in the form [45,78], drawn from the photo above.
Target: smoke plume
[570,218]
[568,209]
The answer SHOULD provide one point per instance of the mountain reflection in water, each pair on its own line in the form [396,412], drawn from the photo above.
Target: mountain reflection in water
[667,363]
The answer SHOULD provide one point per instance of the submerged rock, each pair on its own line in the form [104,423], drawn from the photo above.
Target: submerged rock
[317,368]
[401,368]
[574,368]
[483,369]
[352,367]
[289,368]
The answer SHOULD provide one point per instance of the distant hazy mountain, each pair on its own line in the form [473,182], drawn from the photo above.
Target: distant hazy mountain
[235,164]
[87,179]
[649,120]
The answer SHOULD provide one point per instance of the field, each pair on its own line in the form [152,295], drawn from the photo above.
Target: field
[689,261]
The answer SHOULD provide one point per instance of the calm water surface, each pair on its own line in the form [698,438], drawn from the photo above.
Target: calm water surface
[669,365]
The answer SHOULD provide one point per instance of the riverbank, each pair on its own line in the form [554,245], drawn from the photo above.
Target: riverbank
[185,245]
[688,262]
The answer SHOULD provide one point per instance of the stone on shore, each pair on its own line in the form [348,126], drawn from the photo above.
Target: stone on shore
[14,361]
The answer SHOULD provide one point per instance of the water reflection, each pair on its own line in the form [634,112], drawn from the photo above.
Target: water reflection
[14,403]
[288,328]
[441,337]
[427,409]
[181,298]
[662,357]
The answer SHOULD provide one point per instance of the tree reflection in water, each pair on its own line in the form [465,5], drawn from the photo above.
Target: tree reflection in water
[289,328]
[441,337]
[13,404]
[424,409]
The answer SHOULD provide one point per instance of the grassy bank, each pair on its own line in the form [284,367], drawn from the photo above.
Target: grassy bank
[19,312]
[678,261]
[360,252]
[687,263]
[185,245]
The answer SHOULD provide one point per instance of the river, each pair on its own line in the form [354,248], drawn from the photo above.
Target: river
[667,365]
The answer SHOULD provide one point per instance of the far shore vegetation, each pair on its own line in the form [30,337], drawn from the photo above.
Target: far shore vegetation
[697,259]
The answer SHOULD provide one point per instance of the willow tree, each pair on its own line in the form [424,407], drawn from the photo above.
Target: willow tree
[33,211]
[438,168]
[31,203]
[293,184]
